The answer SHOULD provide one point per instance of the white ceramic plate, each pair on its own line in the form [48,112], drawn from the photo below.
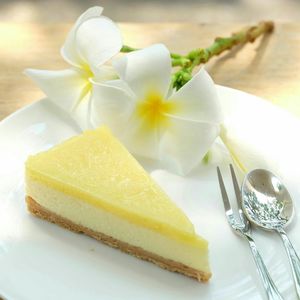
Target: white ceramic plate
[39,260]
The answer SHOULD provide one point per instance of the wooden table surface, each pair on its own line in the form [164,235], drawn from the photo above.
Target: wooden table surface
[268,68]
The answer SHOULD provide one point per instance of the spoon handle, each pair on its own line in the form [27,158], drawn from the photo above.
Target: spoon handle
[270,287]
[293,258]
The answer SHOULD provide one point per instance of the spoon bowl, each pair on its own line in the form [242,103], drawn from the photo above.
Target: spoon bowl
[266,201]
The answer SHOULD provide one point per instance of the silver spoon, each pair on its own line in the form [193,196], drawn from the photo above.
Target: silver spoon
[267,203]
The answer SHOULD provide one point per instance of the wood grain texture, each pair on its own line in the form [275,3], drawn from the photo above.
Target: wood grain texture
[268,68]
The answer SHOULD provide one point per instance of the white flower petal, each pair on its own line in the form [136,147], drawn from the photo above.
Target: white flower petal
[198,99]
[97,40]
[185,143]
[81,114]
[111,105]
[104,73]
[146,70]
[65,87]
[69,49]
[139,140]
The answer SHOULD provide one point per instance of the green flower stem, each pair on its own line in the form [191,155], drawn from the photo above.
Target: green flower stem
[221,44]
[126,49]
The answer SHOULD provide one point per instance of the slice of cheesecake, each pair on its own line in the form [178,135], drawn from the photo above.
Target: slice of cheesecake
[92,184]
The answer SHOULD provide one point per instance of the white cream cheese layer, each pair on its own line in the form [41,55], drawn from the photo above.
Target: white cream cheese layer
[99,220]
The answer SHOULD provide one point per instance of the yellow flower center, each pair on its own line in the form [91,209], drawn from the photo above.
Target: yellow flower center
[87,74]
[153,109]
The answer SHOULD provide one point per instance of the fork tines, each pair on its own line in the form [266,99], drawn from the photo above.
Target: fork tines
[231,217]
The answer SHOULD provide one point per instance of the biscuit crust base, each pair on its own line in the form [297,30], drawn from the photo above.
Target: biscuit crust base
[43,213]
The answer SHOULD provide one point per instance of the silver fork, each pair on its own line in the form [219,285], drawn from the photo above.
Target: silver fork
[241,225]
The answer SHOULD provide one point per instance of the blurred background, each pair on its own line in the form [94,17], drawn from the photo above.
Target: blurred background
[33,31]
[208,11]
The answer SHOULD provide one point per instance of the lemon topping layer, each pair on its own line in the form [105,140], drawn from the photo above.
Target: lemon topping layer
[95,167]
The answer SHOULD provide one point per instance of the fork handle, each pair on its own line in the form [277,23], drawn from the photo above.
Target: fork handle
[293,258]
[270,287]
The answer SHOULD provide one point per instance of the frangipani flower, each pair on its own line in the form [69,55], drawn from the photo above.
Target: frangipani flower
[176,128]
[93,40]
